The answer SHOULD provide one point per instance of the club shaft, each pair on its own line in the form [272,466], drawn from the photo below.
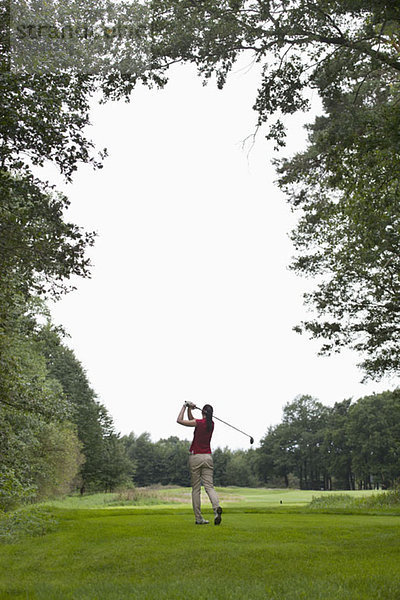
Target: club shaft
[229,425]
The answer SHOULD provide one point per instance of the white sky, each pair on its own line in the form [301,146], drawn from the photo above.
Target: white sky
[190,296]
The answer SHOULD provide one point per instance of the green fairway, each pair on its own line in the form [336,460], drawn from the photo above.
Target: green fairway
[158,552]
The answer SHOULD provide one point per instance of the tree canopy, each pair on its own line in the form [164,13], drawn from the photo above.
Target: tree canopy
[347,446]
[54,434]
[345,185]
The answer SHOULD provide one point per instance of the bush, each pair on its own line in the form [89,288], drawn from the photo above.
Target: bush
[12,491]
[25,522]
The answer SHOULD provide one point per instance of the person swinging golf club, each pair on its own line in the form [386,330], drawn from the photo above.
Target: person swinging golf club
[200,460]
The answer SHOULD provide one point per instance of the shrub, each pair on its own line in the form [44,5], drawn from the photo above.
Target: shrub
[12,491]
[25,522]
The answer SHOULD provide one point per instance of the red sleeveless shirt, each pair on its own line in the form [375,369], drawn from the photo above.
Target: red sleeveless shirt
[201,438]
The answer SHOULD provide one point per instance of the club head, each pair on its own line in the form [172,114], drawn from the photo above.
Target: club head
[251,440]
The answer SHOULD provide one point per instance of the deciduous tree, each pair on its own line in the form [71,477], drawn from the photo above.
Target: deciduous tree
[345,185]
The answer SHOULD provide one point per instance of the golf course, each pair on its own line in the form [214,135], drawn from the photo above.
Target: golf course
[271,544]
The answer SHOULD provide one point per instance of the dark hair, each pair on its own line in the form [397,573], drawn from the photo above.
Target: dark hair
[207,410]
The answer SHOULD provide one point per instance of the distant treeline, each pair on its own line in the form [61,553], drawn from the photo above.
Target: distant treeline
[55,437]
[166,462]
[352,445]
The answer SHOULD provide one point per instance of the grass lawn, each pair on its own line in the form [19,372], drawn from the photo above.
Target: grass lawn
[262,550]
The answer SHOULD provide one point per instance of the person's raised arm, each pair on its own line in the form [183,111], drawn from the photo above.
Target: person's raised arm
[190,422]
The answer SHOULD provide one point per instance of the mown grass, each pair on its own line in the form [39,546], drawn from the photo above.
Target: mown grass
[266,551]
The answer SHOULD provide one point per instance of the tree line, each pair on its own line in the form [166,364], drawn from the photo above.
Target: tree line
[55,436]
[54,433]
[165,462]
[351,445]
[67,442]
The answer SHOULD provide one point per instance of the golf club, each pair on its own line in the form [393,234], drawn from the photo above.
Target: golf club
[229,425]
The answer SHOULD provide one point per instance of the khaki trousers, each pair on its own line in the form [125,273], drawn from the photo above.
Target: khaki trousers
[201,471]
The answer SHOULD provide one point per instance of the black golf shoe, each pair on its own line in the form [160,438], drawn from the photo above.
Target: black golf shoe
[218,517]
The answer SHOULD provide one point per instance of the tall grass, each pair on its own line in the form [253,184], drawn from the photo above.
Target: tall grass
[147,496]
[380,503]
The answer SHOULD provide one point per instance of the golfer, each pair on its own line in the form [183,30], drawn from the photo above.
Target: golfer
[200,460]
